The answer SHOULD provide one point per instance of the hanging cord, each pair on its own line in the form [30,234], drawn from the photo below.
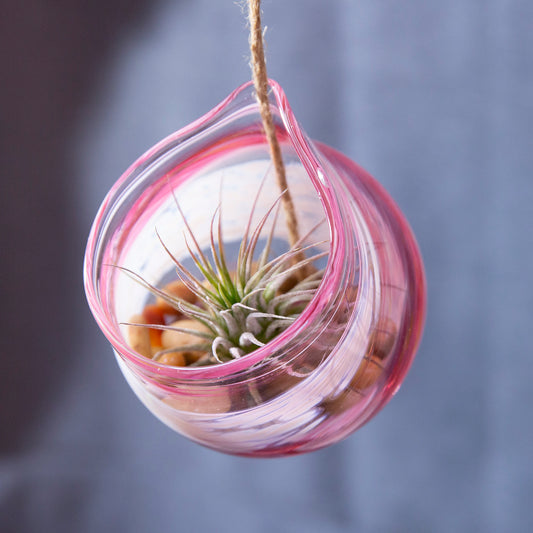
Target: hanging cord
[260,78]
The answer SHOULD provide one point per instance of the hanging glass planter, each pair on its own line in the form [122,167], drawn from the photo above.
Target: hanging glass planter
[346,354]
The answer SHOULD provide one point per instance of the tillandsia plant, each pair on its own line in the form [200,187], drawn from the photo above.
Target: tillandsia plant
[222,313]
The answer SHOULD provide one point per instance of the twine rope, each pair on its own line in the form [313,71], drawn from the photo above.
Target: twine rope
[260,79]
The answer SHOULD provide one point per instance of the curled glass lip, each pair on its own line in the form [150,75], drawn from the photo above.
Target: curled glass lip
[336,252]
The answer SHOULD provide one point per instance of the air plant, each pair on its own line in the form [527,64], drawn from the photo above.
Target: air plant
[245,307]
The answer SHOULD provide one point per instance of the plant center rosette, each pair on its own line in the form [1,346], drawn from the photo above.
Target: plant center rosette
[227,333]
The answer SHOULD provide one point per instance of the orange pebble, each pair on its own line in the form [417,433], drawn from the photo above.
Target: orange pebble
[174,339]
[139,336]
[218,401]
[153,315]
[179,290]
[384,338]
[367,374]
[155,336]
[172,359]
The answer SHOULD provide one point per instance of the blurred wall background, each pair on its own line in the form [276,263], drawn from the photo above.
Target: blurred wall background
[433,98]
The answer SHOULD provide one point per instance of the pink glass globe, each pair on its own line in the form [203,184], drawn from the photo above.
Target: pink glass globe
[344,357]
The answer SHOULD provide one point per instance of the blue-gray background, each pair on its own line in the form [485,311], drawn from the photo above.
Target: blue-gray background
[433,98]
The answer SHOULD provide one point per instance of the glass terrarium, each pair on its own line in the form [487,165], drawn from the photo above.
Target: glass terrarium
[346,354]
